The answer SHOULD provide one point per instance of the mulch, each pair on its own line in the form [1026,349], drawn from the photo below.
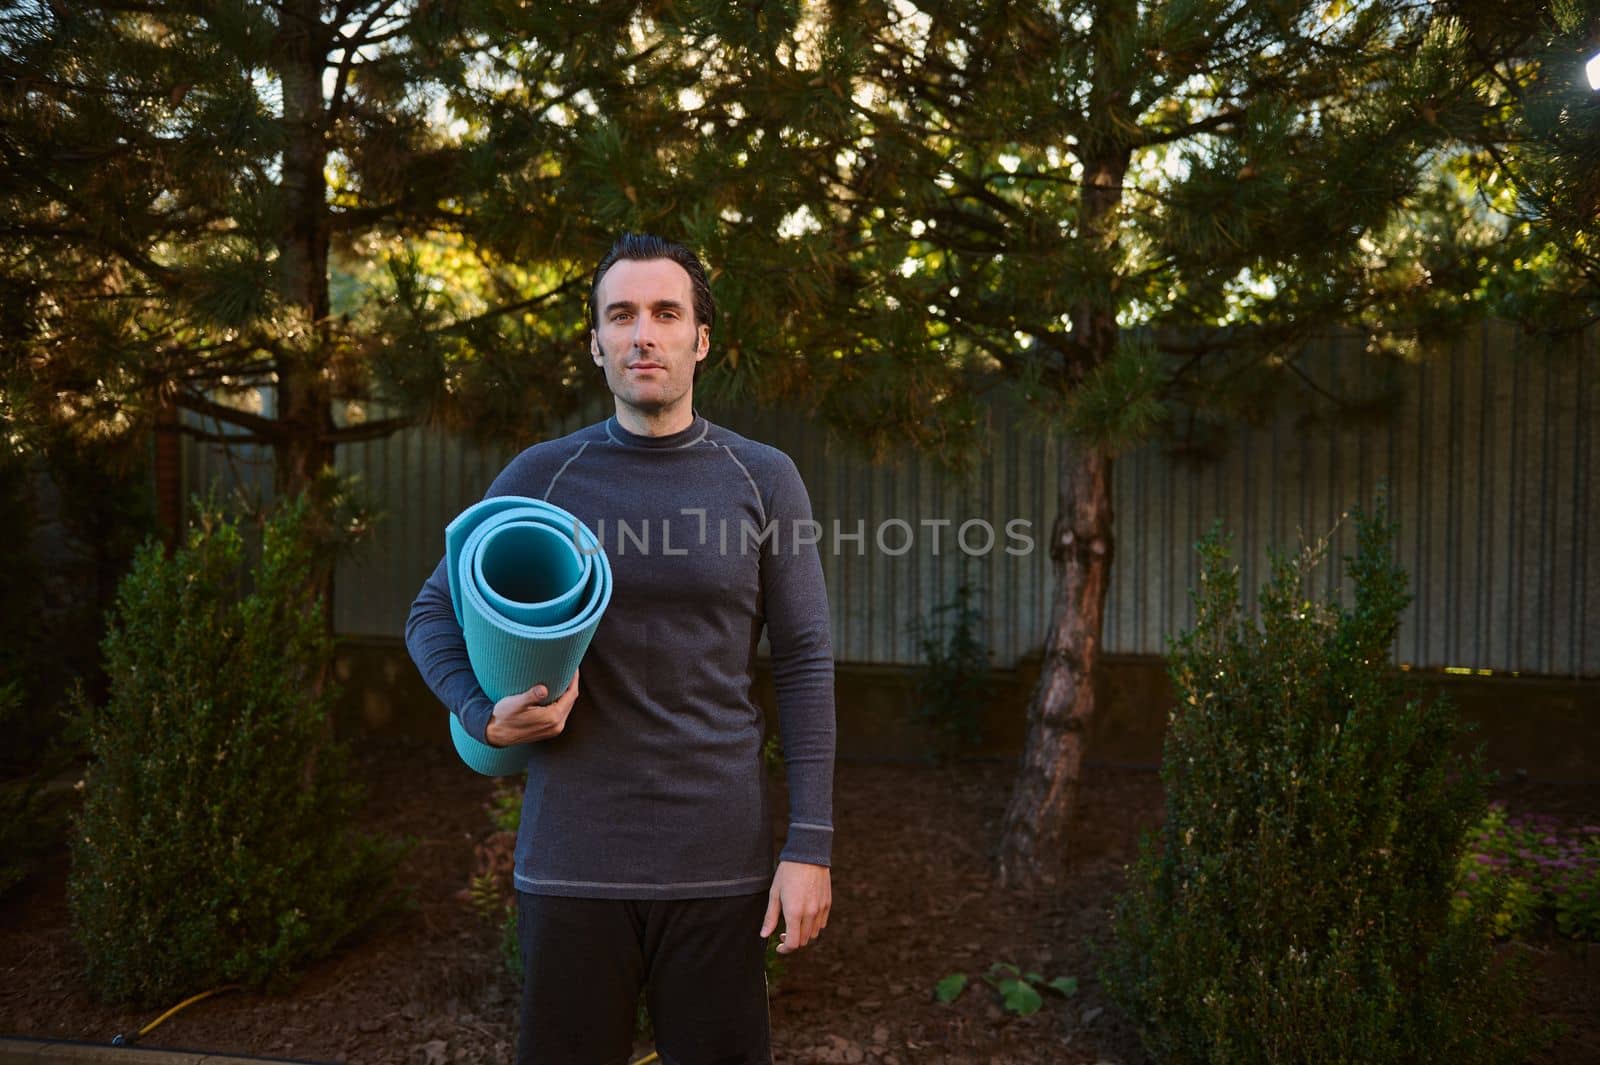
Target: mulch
[914,901]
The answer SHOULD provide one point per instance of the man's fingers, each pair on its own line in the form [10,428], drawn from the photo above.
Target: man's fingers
[539,694]
[771,920]
[803,896]
[799,930]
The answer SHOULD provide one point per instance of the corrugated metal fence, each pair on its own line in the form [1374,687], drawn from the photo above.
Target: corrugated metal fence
[1489,455]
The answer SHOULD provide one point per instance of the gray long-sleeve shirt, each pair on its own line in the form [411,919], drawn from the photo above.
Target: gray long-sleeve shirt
[656,788]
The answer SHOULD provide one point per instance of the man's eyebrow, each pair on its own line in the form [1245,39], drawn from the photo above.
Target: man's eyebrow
[658,305]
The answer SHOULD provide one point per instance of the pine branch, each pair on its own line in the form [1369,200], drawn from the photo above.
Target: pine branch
[345,219]
[342,10]
[129,8]
[228,439]
[64,91]
[1340,403]
[1217,42]
[971,184]
[352,434]
[267,429]
[164,276]
[1149,138]
[512,308]
[1278,337]
[253,373]
[351,45]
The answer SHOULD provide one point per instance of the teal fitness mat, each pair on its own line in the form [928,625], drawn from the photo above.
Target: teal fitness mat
[529,582]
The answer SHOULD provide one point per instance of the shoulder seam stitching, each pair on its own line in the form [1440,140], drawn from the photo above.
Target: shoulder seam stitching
[761,504]
[551,487]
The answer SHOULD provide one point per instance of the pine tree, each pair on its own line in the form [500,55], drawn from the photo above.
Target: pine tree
[385,216]
[1537,164]
[915,206]
[1024,184]
[357,208]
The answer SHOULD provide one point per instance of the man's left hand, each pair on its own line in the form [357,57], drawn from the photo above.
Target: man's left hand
[804,893]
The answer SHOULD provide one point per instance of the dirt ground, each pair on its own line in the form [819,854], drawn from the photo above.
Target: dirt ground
[913,902]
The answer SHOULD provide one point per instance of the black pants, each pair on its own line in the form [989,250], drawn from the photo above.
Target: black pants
[699,961]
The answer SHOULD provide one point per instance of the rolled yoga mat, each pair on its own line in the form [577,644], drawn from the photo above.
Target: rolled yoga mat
[529,582]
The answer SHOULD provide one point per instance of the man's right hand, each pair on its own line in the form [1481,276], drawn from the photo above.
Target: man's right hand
[527,718]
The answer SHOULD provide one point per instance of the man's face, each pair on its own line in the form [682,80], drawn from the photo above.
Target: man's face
[646,340]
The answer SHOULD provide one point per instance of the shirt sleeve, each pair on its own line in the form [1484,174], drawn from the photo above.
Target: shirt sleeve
[434,639]
[796,607]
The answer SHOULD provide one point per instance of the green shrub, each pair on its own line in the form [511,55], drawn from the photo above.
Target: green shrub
[214,843]
[953,685]
[1298,905]
[1526,869]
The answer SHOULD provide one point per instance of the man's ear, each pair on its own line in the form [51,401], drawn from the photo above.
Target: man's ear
[594,349]
[703,347]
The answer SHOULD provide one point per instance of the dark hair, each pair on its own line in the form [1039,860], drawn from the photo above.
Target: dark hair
[644,246]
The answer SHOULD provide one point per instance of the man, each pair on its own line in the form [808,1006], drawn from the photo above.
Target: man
[644,857]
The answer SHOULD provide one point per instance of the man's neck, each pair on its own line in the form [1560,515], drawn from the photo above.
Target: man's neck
[660,423]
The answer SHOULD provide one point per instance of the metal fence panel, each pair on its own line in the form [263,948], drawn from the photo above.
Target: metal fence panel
[1488,454]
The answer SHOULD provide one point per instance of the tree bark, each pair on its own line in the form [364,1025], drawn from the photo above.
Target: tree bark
[1033,844]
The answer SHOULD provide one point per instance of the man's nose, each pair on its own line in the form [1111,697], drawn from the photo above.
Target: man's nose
[644,332]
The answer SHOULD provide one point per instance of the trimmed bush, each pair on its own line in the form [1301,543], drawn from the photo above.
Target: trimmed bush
[214,843]
[1297,904]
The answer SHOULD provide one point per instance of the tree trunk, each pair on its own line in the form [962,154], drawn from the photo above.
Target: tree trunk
[1033,844]
[1034,835]
[305,414]
[304,409]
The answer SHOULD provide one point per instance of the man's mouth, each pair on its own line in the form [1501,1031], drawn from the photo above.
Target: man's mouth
[647,366]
